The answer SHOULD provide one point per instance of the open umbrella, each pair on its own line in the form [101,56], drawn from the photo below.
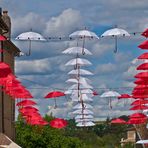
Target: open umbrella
[85,124]
[138,102]
[139,107]
[144,45]
[2,38]
[143,66]
[124,96]
[118,121]
[141,75]
[26,103]
[80,71]
[136,121]
[145,33]
[30,36]
[85,106]
[58,123]
[115,32]
[137,115]
[77,50]
[110,94]
[82,116]
[81,111]
[143,56]
[4,69]
[54,95]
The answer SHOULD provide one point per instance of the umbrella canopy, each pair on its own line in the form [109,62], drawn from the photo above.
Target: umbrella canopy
[2,38]
[144,45]
[124,96]
[26,103]
[54,94]
[139,107]
[80,80]
[58,123]
[77,50]
[115,32]
[118,121]
[136,121]
[137,115]
[109,94]
[84,116]
[81,111]
[83,34]
[83,120]
[83,124]
[83,91]
[84,97]
[138,102]
[145,33]
[143,66]
[141,82]
[80,106]
[142,142]
[141,87]
[78,61]
[141,75]
[30,36]
[80,71]
[4,69]
[143,56]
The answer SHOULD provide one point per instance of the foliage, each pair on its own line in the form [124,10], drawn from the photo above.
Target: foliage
[103,135]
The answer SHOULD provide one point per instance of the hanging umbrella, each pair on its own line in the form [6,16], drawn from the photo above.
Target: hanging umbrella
[30,36]
[139,107]
[144,45]
[143,56]
[83,91]
[2,38]
[142,142]
[110,94]
[55,94]
[85,124]
[58,123]
[4,69]
[77,50]
[145,33]
[78,61]
[79,106]
[141,82]
[141,75]
[138,102]
[26,103]
[84,97]
[141,87]
[143,66]
[82,116]
[81,111]
[80,71]
[83,120]
[136,121]
[115,32]
[118,121]
[83,34]
[124,96]
[137,115]
[81,80]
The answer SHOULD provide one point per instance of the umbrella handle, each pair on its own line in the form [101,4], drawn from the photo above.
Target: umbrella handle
[29,52]
[116,45]
[110,105]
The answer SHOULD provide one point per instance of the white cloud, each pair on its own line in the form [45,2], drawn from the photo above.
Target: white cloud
[63,24]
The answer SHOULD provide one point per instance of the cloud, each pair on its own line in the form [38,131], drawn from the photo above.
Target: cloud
[63,24]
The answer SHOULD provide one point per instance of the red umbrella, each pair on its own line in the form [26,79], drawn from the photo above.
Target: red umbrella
[54,94]
[26,103]
[141,75]
[144,45]
[138,115]
[4,69]
[124,96]
[143,56]
[136,121]
[141,87]
[118,121]
[143,66]
[2,38]
[145,33]
[140,96]
[28,108]
[138,102]
[141,82]
[58,123]
[139,107]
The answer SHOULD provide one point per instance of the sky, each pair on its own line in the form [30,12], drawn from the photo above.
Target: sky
[44,70]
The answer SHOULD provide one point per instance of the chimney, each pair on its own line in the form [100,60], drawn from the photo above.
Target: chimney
[7,21]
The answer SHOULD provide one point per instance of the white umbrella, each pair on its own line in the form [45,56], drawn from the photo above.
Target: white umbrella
[142,142]
[79,106]
[83,34]
[115,32]
[83,97]
[83,124]
[83,120]
[84,116]
[80,71]
[77,50]
[81,86]
[110,94]
[30,36]
[81,111]
[83,91]
[78,61]
[81,80]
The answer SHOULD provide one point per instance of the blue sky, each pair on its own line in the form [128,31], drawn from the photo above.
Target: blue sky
[45,67]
